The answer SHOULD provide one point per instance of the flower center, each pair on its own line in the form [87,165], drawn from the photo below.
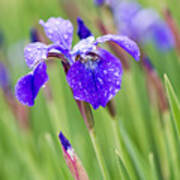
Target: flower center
[89,60]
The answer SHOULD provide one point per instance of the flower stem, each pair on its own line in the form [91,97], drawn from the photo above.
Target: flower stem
[99,155]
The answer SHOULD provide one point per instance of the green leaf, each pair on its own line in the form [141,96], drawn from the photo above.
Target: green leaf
[174,104]
[123,169]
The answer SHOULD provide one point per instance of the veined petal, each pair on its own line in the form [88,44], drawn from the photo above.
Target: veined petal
[96,82]
[83,31]
[59,31]
[124,42]
[34,53]
[29,85]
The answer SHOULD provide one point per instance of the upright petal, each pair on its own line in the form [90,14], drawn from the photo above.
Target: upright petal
[34,53]
[124,42]
[96,82]
[59,31]
[29,85]
[83,31]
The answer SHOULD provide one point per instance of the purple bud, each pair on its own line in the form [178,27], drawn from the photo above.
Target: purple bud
[65,143]
[72,160]
[83,32]
[34,35]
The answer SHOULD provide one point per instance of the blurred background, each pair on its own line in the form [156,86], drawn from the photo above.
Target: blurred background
[147,107]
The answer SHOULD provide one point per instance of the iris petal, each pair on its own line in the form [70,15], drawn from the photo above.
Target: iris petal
[29,85]
[96,82]
[59,31]
[34,53]
[124,42]
[23,90]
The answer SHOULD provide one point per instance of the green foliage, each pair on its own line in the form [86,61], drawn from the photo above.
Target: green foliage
[148,146]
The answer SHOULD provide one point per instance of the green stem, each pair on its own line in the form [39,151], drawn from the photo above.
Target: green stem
[99,155]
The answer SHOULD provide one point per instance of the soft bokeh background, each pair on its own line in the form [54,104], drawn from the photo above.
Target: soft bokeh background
[34,152]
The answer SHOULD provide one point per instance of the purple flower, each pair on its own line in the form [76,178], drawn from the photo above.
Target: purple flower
[94,75]
[142,25]
[4,77]
[29,85]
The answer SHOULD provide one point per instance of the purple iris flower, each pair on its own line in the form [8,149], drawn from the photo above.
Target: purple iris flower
[142,25]
[94,74]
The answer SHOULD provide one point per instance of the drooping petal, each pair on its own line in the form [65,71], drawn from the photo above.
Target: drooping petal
[35,53]
[29,85]
[40,78]
[23,90]
[96,82]
[83,31]
[59,31]
[124,42]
